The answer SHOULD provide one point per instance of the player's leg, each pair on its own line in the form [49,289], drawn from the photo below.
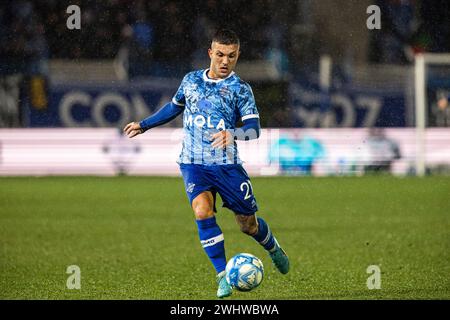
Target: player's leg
[257,228]
[211,238]
[202,200]
[236,191]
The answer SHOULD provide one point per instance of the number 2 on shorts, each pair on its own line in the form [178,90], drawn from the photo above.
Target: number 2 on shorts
[248,189]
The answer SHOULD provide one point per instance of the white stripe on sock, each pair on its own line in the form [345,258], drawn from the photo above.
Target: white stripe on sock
[267,237]
[212,241]
[275,245]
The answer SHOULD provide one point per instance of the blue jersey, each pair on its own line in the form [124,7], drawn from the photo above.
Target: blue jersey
[211,106]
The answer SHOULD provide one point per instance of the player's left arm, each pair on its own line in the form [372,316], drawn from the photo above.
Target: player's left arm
[249,131]
[250,117]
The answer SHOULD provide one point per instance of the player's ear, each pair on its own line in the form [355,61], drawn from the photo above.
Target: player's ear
[238,54]
[210,53]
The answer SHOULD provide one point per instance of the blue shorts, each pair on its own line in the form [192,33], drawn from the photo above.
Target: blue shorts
[230,181]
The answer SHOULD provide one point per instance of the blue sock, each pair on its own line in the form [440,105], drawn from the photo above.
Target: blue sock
[211,238]
[264,235]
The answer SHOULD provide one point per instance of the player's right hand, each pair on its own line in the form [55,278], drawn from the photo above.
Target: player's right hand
[132,129]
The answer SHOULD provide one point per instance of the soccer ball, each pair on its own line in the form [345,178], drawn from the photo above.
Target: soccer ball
[244,272]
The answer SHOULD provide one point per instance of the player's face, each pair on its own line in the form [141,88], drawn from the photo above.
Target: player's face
[223,59]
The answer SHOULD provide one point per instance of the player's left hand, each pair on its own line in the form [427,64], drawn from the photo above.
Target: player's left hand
[222,139]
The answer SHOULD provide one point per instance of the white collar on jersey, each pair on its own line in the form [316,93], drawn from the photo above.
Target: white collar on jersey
[206,78]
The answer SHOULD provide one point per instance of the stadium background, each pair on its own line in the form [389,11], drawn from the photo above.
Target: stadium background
[336,99]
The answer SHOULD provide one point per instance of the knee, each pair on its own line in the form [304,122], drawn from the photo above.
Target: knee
[249,229]
[203,212]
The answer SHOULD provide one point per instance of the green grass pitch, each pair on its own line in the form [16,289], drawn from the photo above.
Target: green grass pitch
[136,238]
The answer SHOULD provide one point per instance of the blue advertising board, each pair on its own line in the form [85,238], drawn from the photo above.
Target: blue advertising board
[100,105]
[347,106]
[115,104]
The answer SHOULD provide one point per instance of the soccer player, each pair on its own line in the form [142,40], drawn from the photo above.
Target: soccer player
[212,101]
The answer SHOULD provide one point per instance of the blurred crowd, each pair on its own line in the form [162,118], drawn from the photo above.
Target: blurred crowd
[158,31]
[168,31]
[410,27]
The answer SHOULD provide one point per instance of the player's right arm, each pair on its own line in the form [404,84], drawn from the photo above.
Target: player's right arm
[167,113]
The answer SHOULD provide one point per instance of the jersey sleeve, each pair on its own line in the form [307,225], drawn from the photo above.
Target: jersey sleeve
[246,103]
[179,99]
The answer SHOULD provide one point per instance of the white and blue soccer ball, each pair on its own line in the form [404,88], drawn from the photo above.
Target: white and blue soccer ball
[244,272]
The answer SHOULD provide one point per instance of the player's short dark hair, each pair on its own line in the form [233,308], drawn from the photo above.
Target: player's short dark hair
[226,36]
